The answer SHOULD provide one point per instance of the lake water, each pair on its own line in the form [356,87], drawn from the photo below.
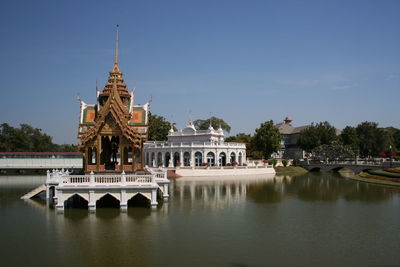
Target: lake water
[319,219]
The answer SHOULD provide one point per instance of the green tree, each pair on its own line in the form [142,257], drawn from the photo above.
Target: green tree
[28,139]
[246,139]
[335,150]
[315,135]
[215,122]
[394,138]
[158,128]
[267,139]
[349,138]
[372,139]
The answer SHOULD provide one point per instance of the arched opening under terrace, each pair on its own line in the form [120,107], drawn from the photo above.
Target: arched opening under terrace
[107,201]
[76,201]
[139,200]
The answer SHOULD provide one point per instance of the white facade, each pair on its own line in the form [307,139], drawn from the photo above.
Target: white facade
[191,147]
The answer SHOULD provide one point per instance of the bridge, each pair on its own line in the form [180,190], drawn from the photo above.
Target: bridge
[356,166]
[40,161]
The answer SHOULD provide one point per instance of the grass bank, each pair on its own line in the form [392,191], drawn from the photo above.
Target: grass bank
[293,170]
[374,181]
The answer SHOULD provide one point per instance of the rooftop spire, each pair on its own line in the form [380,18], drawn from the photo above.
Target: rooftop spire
[116,46]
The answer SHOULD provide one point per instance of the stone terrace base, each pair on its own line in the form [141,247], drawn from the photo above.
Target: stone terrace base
[61,186]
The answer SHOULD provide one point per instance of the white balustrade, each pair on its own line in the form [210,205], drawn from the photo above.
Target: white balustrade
[65,179]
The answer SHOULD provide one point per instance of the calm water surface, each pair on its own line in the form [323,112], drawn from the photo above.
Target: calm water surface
[311,220]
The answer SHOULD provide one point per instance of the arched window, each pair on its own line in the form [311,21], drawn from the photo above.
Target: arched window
[166,159]
[222,159]
[233,157]
[159,159]
[177,160]
[198,159]
[211,159]
[186,159]
[153,158]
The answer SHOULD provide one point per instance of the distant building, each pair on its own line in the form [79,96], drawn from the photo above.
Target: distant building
[290,135]
[192,147]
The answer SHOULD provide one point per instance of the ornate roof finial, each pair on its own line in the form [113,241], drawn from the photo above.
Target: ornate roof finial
[116,46]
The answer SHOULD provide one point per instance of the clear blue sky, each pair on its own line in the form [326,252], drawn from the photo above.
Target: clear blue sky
[243,61]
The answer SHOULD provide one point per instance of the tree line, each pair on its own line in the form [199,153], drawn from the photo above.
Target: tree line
[320,139]
[365,140]
[25,138]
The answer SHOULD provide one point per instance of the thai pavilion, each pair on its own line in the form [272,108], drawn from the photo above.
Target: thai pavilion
[113,130]
[192,147]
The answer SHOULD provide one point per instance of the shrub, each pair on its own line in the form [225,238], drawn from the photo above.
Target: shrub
[204,164]
[234,163]
[273,162]
[265,161]
[382,154]
[228,164]
[285,162]
[296,162]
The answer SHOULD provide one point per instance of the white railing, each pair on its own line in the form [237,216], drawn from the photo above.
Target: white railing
[40,163]
[149,145]
[63,178]
[261,166]
[139,178]
[76,179]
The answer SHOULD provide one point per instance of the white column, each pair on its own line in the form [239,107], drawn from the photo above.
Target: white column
[47,191]
[91,179]
[124,203]
[92,201]
[171,159]
[165,193]
[123,178]
[154,198]
[60,202]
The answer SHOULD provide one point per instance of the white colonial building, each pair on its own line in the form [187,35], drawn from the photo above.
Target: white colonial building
[192,147]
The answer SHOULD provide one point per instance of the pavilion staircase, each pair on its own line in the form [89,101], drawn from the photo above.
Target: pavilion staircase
[34,192]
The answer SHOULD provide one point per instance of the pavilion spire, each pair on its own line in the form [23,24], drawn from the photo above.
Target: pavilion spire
[116,46]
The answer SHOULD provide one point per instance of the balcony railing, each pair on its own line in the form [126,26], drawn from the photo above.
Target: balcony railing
[193,144]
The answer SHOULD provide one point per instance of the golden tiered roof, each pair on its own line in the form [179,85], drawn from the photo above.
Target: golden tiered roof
[114,101]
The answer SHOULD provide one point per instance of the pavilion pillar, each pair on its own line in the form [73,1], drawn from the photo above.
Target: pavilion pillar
[86,156]
[98,153]
[121,153]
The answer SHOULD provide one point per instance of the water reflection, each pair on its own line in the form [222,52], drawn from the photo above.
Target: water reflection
[325,187]
[244,221]
[212,192]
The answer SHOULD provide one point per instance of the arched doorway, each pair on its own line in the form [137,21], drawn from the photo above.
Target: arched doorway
[198,159]
[240,159]
[211,159]
[153,158]
[177,160]
[186,159]
[233,157]
[222,159]
[159,159]
[166,159]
